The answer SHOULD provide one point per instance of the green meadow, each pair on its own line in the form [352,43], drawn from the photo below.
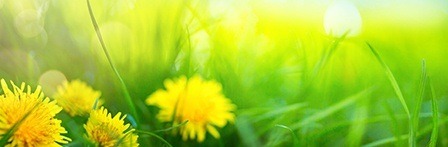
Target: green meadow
[366,73]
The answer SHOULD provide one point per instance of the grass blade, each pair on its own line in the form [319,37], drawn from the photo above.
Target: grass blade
[120,141]
[173,127]
[415,116]
[294,136]
[392,80]
[330,110]
[435,117]
[397,90]
[154,135]
[106,52]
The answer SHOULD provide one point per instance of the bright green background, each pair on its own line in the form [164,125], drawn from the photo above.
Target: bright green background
[264,53]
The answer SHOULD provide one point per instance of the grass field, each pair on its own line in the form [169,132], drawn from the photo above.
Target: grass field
[242,73]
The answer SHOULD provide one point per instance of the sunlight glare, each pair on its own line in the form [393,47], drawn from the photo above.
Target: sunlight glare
[340,17]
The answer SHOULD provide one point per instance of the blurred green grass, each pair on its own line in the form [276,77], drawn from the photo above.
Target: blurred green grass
[264,53]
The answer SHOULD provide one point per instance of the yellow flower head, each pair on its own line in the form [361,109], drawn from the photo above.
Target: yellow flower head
[200,102]
[105,131]
[77,98]
[38,126]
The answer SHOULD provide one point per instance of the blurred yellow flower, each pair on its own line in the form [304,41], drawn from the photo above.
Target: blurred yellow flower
[77,98]
[39,128]
[200,102]
[105,131]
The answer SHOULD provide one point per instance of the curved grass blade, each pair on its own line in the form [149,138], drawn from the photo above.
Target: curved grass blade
[154,135]
[120,141]
[103,46]
[397,90]
[415,116]
[332,109]
[294,136]
[392,80]
[435,117]
[173,127]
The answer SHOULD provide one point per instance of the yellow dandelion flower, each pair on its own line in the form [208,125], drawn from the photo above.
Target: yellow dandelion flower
[39,128]
[105,131]
[77,98]
[200,102]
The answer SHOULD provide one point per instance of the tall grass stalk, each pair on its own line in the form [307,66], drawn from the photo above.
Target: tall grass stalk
[415,116]
[397,90]
[294,136]
[122,84]
[435,116]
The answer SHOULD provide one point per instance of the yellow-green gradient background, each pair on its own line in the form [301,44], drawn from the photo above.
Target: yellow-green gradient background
[265,53]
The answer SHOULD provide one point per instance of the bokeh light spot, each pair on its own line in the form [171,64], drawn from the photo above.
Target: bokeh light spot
[50,80]
[342,17]
[28,23]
